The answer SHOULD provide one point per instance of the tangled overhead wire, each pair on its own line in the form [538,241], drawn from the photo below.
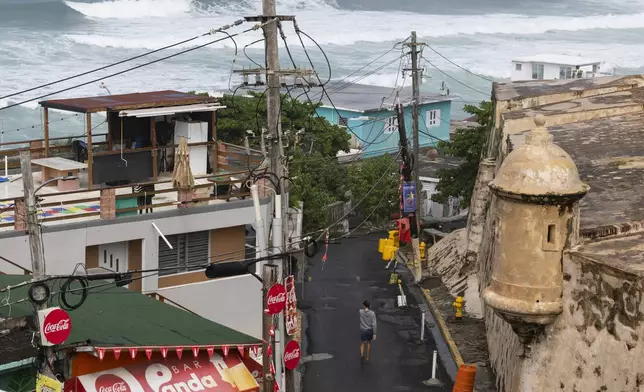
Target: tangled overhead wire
[66,290]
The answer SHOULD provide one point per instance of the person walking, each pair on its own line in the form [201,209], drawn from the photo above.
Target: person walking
[368,326]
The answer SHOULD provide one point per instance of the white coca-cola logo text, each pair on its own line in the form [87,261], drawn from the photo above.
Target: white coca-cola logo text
[117,387]
[276,299]
[291,296]
[295,354]
[62,325]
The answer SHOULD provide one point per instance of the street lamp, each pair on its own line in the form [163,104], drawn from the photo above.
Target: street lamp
[65,178]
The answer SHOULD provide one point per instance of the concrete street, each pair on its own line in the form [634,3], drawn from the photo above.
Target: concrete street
[331,300]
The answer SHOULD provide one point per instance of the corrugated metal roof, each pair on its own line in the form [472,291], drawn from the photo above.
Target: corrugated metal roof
[116,316]
[153,99]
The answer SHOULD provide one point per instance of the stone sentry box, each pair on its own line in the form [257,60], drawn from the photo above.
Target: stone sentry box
[537,187]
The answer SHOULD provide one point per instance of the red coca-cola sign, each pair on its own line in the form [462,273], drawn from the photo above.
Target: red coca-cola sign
[111,383]
[292,355]
[56,326]
[276,299]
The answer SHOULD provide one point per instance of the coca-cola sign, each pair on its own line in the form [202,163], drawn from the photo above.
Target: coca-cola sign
[291,319]
[111,383]
[55,326]
[292,355]
[276,299]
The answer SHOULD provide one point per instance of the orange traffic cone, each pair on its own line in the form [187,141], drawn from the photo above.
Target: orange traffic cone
[465,379]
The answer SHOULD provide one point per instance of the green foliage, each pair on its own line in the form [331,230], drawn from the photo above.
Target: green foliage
[249,113]
[317,178]
[385,199]
[466,143]
[317,181]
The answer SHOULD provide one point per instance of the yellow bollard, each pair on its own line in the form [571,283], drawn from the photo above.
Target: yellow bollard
[395,236]
[381,244]
[458,307]
[389,252]
[423,247]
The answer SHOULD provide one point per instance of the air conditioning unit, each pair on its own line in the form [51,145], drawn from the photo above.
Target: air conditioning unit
[194,132]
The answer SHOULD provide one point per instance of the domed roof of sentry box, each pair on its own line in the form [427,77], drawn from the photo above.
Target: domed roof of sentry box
[539,168]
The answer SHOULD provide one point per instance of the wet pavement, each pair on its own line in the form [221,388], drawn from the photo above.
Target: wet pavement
[331,299]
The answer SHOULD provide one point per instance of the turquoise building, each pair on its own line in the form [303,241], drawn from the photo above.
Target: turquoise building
[367,112]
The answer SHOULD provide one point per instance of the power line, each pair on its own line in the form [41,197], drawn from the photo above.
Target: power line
[455,79]
[39,125]
[212,32]
[255,27]
[463,68]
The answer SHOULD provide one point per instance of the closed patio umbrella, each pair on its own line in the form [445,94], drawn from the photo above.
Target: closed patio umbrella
[182,174]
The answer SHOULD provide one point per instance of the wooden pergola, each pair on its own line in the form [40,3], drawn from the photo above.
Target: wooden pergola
[121,104]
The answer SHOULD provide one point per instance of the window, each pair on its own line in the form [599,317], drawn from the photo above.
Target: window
[188,250]
[433,118]
[537,71]
[343,121]
[565,73]
[518,67]
[391,124]
[550,240]
[551,234]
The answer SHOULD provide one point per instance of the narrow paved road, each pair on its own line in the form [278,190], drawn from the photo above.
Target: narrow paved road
[353,273]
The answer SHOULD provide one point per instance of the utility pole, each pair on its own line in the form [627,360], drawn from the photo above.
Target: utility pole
[35,244]
[269,278]
[274,124]
[274,75]
[415,224]
[273,100]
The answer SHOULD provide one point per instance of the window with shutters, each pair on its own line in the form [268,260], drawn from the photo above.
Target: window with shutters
[391,124]
[343,121]
[189,250]
[433,118]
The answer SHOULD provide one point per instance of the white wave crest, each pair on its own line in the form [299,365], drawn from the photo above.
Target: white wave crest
[132,9]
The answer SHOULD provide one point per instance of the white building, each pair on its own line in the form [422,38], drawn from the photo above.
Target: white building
[434,209]
[553,66]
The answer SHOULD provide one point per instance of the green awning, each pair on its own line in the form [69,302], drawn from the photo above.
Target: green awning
[115,316]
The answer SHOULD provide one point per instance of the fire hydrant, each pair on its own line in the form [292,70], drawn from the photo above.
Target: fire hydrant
[458,307]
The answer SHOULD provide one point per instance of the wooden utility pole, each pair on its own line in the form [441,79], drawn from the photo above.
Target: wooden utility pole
[269,278]
[415,223]
[35,244]
[274,124]
[273,101]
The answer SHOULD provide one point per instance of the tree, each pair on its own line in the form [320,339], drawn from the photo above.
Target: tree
[468,144]
[382,173]
[316,177]
[317,181]
[245,113]
[314,171]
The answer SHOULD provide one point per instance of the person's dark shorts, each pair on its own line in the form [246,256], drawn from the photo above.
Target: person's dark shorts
[366,336]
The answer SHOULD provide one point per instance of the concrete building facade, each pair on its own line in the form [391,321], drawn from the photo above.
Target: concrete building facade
[368,114]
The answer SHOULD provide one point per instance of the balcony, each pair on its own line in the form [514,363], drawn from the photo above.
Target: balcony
[128,170]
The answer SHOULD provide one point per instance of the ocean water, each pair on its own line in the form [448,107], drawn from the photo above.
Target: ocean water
[44,40]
